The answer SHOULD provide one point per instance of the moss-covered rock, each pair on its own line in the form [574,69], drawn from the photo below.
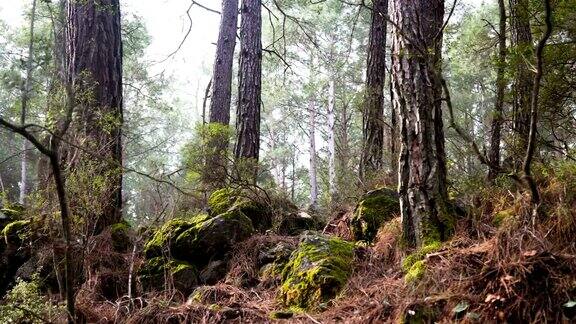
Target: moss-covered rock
[271,261]
[120,233]
[200,239]
[316,272]
[295,223]
[373,210]
[156,272]
[16,232]
[226,199]
[163,242]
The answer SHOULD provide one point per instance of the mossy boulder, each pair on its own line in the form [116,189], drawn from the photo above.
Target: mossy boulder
[224,200]
[374,209]
[316,272]
[271,261]
[156,272]
[200,239]
[120,233]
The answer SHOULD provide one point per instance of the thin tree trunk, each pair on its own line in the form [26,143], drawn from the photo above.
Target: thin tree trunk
[523,44]
[312,151]
[26,89]
[332,140]
[393,131]
[531,148]
[417,43]
[372,160]
[95,71]
[222,75]
[497,117]
[250,83]
[293,189]
[217,161]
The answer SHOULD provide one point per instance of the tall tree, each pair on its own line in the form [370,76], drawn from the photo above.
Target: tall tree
[373,117]
[26,91]
[312,150]
[222,93]
[497,116]
[417,43]
[523,46]
[250,83]
[332,140]
[94,61]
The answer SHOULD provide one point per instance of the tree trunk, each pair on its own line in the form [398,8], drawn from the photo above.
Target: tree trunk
[524,48]
[250,83]
[26,89]
[373,117]
[94,58]
[332,140]
[215,172]
[222,76]
[497,117]
[417,43]
[312,170]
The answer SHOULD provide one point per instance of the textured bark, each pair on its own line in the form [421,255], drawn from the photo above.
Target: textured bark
[26,90]
[524,47]
[417,98]
[332,140]
[217,161]
[94,61]
[372,159]
[497,117]
[250,83]
[312,150]
[222,75]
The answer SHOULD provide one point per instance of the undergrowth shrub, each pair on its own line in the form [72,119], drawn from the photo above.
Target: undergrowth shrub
[26,304]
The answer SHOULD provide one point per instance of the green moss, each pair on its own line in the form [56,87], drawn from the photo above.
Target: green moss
[226,199]
[416,271]
[16,232]
[154,271]
[376,208]
[414,265]
[199,239]
[221,200]
[316,272]
[169,232]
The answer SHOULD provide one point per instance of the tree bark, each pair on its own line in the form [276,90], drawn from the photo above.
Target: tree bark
[332,140]
[217,161]
[417,43]
[524,48]
[372,160]
[497,117]
[26,90]
[94,62]
[222,75]
[250,84]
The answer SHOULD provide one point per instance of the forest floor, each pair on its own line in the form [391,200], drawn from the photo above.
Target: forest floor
[495,267]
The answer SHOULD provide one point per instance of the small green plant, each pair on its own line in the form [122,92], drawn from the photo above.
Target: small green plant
[25,304]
